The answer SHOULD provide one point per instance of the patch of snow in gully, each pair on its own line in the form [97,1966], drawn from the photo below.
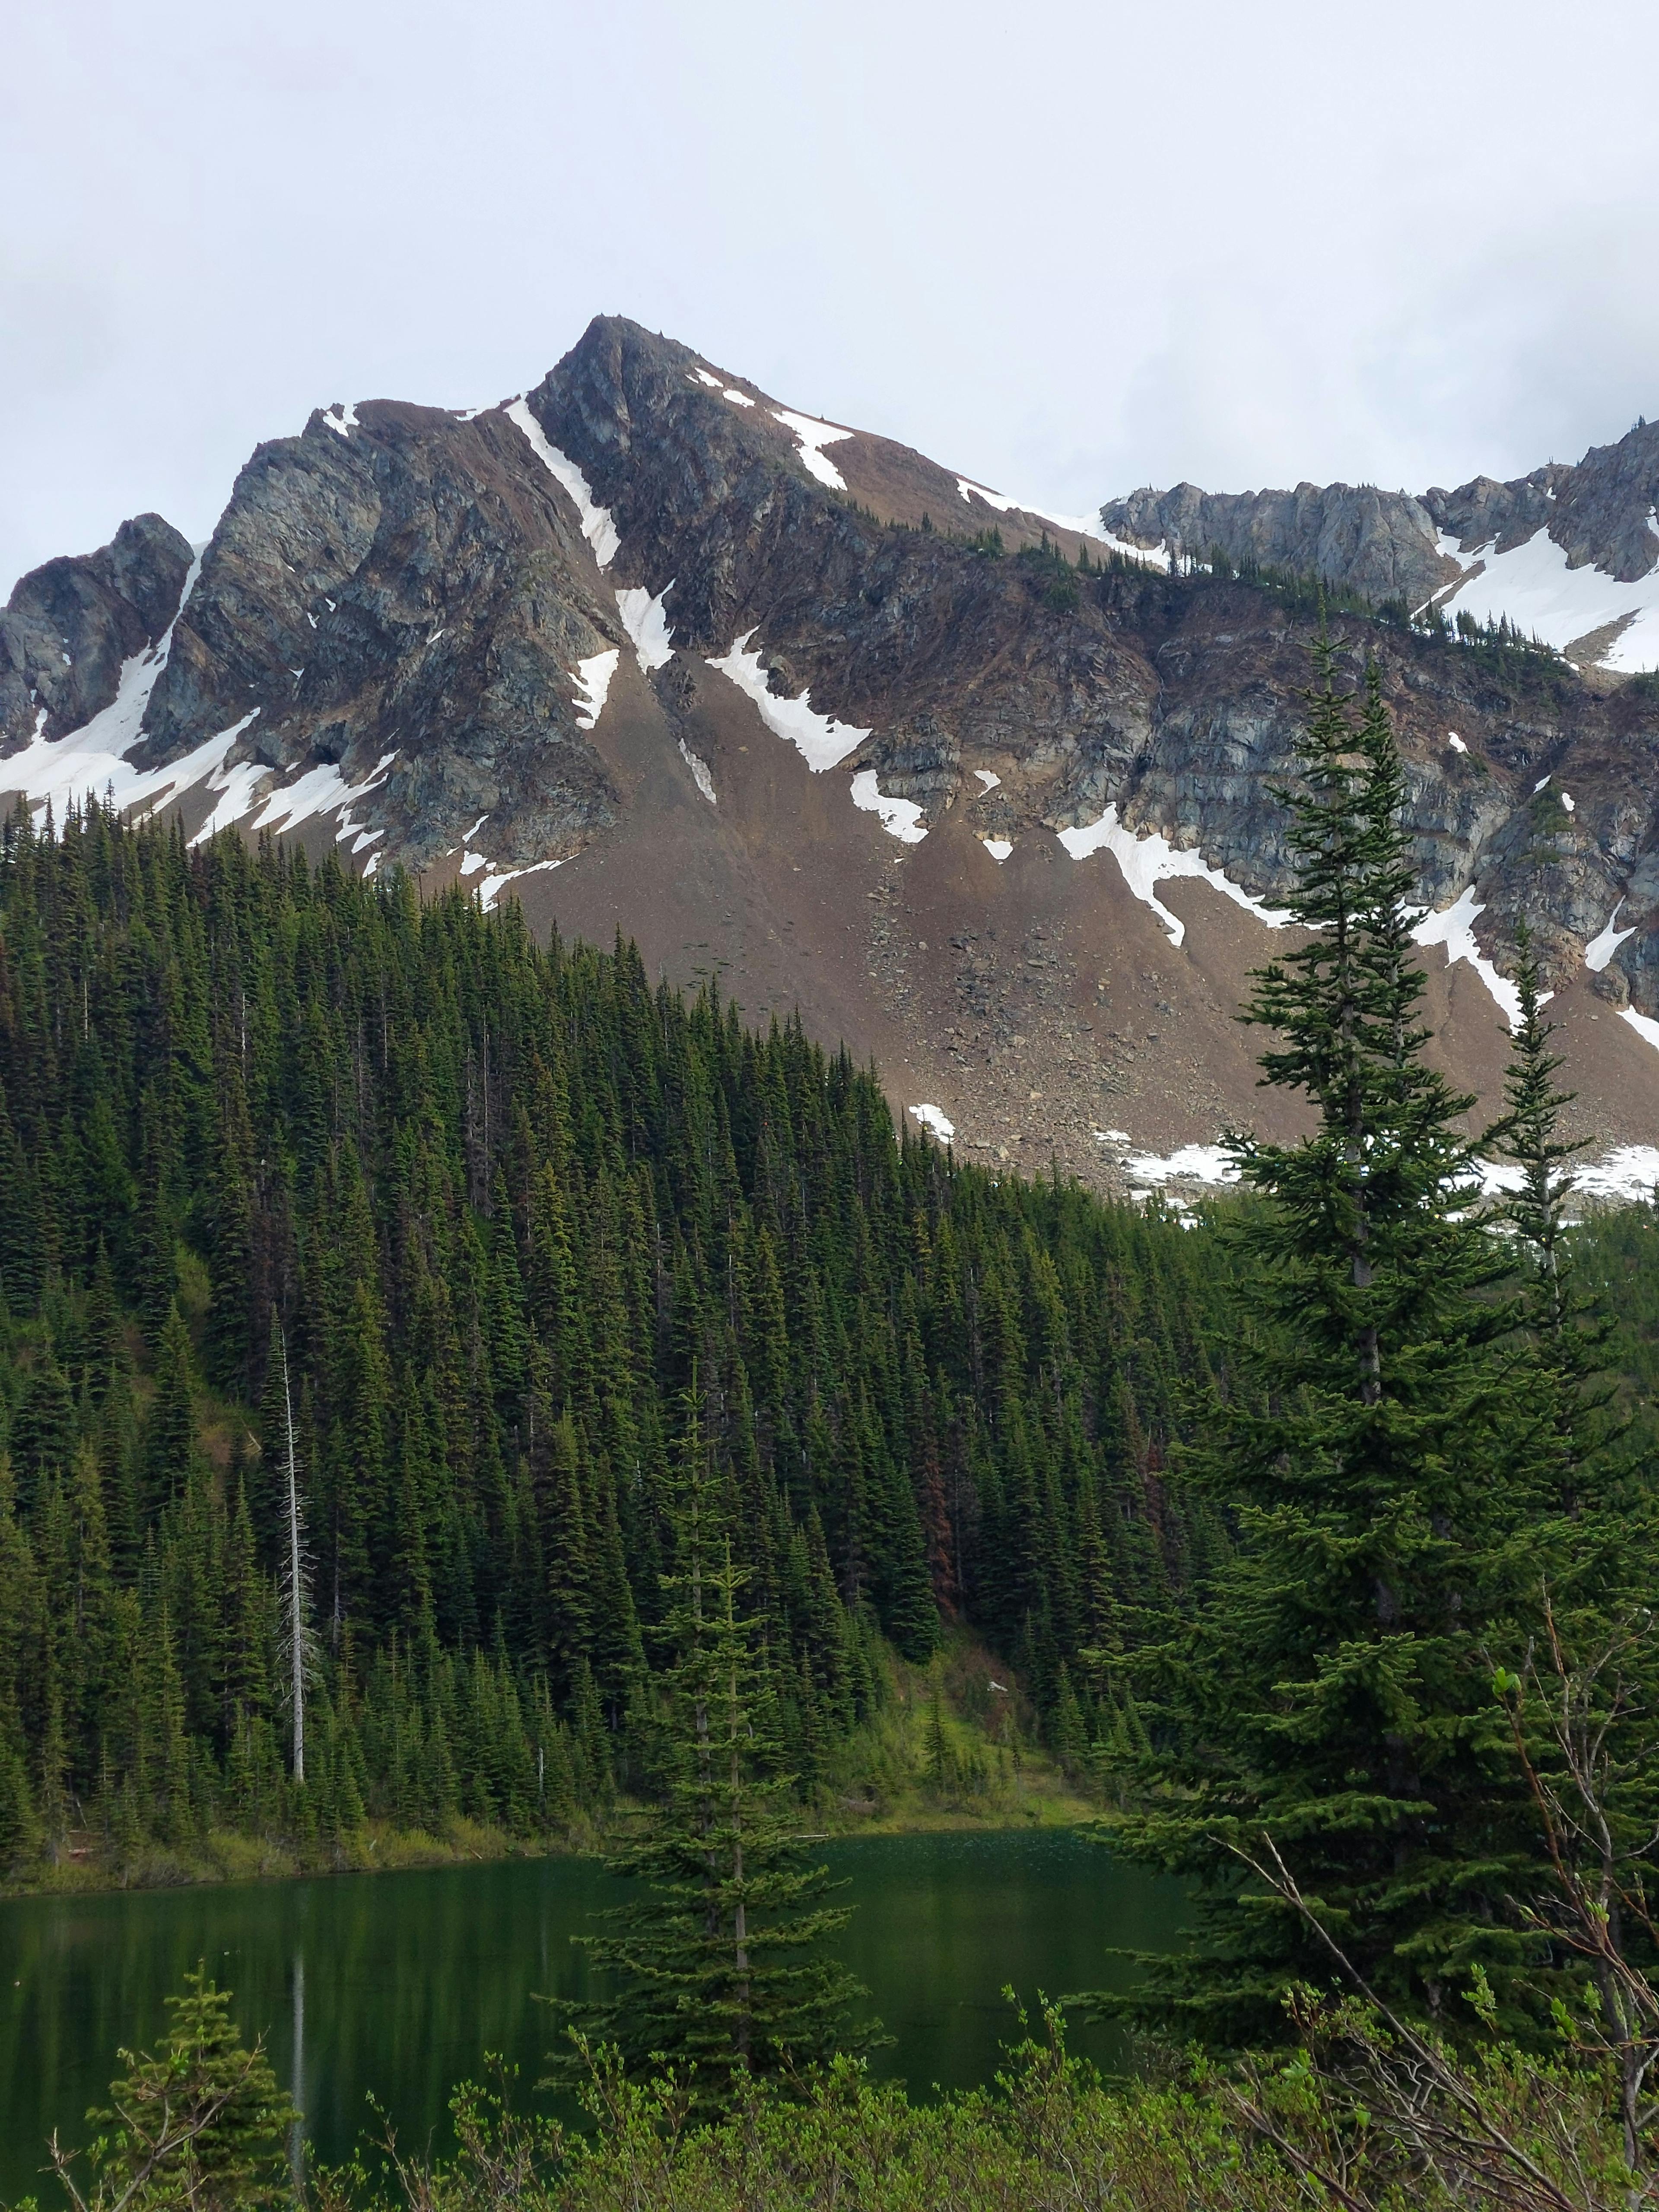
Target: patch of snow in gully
[702,376]
[1146,861]
[238,786]
[900,818]
[320,790]
[597,528]
[1454,928]
[700,775]
[593,677]
[1532,585]
[934,1122]
[345,421]
[741,399]
[989,778]
[493,886]
[1455,742]
[647,625]
[998,847]
[1605,942]
[812,435]
[819,738]
[471,862]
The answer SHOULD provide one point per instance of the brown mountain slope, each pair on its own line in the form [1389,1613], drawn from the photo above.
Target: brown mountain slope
[522,648]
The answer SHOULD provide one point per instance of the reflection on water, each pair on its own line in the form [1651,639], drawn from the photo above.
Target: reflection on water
[400,1983]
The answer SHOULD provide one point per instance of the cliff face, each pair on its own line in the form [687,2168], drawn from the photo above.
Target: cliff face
[481,646]
[1381,543]
[1450,546]
[1598,512]
[69,627]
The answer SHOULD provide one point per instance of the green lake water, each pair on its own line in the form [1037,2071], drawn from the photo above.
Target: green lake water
[400,1984]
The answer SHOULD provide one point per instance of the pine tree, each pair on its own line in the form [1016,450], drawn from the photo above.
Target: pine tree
[1569,1334]
[1334,1690]
[718,1965]
[199,2121]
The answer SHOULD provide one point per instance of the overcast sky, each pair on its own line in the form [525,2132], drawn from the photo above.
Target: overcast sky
[1067,246]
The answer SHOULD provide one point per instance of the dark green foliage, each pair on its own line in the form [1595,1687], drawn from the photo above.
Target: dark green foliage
[503,1200]
[200,2122]
[1402,1493]
[717,1963]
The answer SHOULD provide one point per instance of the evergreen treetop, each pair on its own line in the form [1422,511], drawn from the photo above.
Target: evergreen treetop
[1381,1445]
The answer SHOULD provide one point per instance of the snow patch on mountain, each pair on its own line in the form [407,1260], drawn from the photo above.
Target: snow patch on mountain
[238,787]
[320,790]
[593,677]
[820,739]
[493,885]
[1542,597]
[92,761]
[1209,1163]
[700,775]
[814,436]
[647,625]
[1150,860]
[1605,942]
[900,818]
[1083,526]
[998,847]
[934,1122]
[597,528]
[1154,556]
[1454,928]
[1628,1172]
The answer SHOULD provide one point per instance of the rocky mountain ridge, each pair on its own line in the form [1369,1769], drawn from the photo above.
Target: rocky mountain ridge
[1598,516]
[989,794]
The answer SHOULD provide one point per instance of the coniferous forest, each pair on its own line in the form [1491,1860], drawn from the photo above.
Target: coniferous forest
[449,1380]
[479,1228]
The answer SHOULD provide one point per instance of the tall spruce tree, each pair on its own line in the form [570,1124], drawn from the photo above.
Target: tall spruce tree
[1567,1328]
[719,1963]
[1334,1691]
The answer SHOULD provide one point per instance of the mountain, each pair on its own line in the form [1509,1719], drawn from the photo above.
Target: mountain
[1569,555]
[987,793]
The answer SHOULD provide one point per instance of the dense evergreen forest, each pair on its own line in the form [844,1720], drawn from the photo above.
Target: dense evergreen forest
[508,1219]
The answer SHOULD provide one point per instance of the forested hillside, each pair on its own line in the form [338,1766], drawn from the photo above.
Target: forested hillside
[517,1217]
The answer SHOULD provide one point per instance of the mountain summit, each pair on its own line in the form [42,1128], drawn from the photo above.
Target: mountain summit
[987,793]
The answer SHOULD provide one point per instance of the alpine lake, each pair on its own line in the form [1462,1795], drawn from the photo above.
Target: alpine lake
[397,1986]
